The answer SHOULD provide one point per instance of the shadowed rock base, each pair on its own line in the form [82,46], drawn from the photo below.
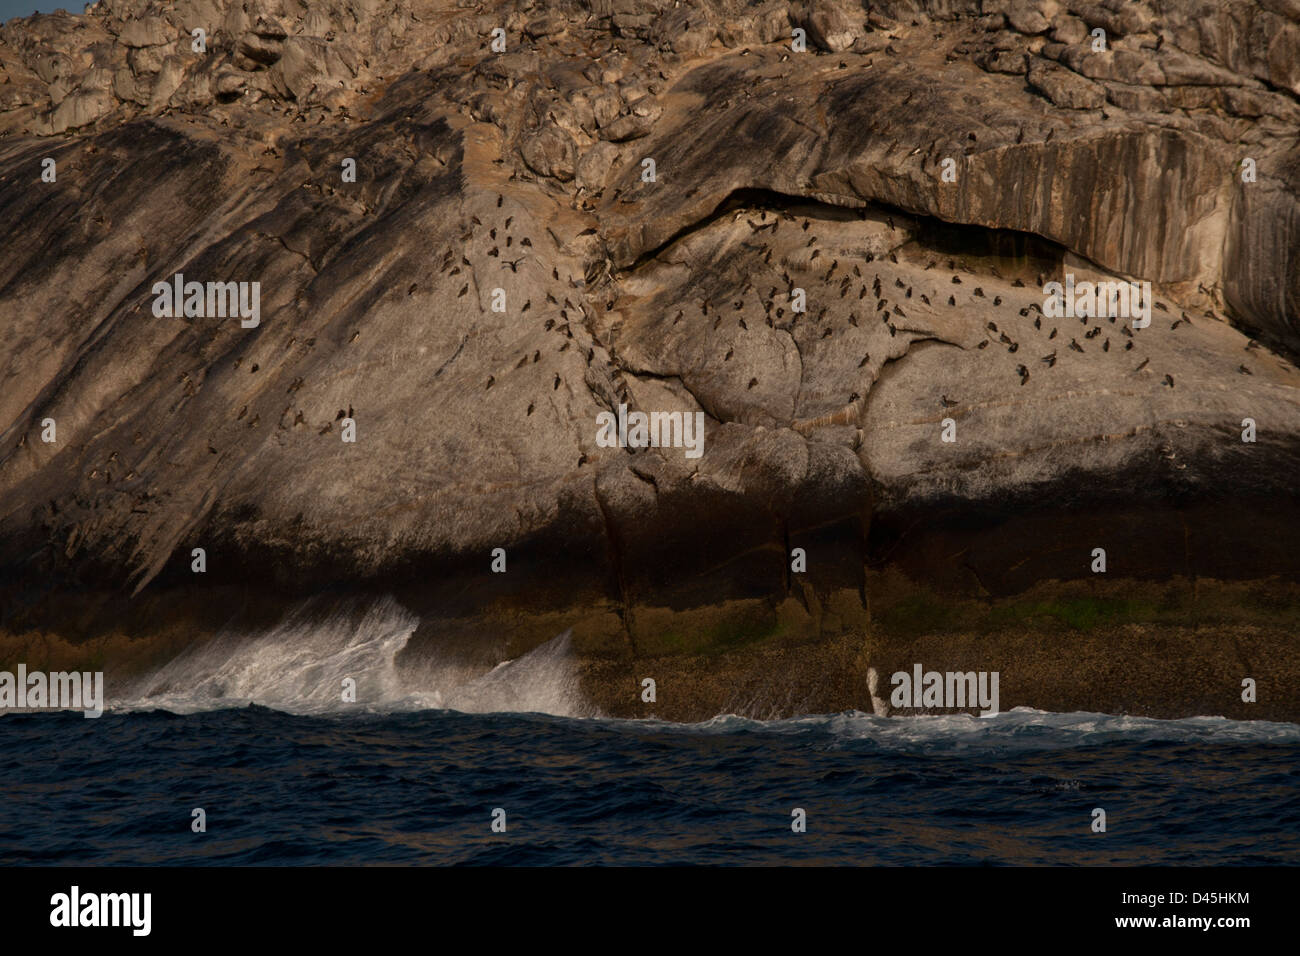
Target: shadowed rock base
[1168,649]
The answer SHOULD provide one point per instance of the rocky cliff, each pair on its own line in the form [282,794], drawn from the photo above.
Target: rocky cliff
[827,227]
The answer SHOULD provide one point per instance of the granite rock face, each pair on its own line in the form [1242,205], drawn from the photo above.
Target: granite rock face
[837,256]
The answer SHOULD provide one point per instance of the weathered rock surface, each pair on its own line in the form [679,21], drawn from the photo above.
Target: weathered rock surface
[918,173]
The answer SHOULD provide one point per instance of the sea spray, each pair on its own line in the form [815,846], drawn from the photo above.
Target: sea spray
[349,657]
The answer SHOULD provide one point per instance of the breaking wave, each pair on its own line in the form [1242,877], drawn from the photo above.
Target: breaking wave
[300,667]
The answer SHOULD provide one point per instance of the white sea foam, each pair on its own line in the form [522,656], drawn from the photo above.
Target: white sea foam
[1022,728]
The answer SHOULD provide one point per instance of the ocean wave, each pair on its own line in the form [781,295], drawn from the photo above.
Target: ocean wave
[301,666]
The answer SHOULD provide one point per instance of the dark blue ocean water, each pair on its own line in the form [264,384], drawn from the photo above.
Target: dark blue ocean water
[419,787]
